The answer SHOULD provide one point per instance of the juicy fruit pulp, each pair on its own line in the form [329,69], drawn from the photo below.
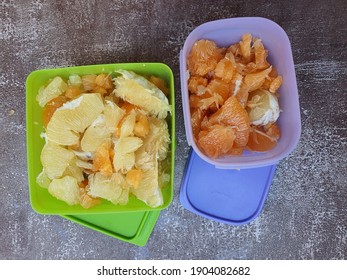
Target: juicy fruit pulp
[233,97]
[104,140]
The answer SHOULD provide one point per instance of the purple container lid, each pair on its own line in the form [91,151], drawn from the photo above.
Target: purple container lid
[229,31]
[233,197]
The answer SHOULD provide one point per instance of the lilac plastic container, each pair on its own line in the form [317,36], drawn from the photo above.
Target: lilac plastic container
[229,31]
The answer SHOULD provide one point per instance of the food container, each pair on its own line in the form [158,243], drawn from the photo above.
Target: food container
[226,32]
[43,202]
[233,189]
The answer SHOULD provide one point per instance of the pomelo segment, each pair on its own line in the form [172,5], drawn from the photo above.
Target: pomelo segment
[55,159]
[197,85]
[55,88]
[106,187]
[148,189]
[234,115]
[259,141]
[65,189]
[73,118]
[124,156]
[254,81]
[95,135]
[43,180]
[113,115]
[158,139]
[217,141]
[203,57]
[74,171]
[138,91]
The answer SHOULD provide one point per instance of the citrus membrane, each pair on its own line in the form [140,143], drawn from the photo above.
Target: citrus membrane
[263,107]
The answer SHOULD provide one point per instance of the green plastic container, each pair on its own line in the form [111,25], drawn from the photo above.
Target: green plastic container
[41,201]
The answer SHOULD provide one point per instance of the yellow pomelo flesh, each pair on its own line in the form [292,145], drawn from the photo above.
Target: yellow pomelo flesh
[113,114]
[55,88]
[136,94]
[124,156]
[74,171]
[73,118]
[65,189]
[43,180]
[149,190]
[55,159]
[95,135]
[106,187]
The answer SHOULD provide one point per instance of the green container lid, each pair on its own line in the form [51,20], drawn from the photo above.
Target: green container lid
[133,227]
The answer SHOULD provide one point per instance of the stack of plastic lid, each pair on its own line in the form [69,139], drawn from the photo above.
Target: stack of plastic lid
[233,189]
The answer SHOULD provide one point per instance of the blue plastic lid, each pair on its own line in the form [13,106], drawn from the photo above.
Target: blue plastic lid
[232,197]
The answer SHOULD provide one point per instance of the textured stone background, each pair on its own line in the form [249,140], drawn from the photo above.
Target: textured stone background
[305,215]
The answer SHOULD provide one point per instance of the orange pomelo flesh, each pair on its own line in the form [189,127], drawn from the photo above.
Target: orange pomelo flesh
[242,95]
[235,151]
[260,54]
[205,101]
[213,97]
[102,160]
[225,69]
[105,81]
[273,131]
[275,84]
[217,141]
[245,45]
[221,83]
[234,115]
[262,140]
[217,86]
[196,119]
[197,84]
[203,57]
[159,83]
[260,143]
[255,80]
[73,91]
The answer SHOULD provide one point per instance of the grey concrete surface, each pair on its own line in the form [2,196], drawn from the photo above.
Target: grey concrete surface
[305,214]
